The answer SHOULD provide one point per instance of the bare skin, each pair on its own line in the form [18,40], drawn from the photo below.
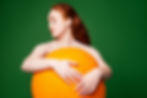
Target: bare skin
[61,31]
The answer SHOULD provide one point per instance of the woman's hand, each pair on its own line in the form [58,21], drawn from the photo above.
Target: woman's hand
[89,82]
[63,68]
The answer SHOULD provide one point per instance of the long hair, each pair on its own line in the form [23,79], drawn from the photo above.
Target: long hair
[79,31]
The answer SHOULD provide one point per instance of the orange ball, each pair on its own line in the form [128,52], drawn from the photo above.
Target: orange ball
[48,84]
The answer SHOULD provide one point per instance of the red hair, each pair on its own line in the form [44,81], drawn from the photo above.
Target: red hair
[78,29]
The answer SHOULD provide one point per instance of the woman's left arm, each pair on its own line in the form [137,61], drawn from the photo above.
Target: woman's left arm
[103,67]
[91,80]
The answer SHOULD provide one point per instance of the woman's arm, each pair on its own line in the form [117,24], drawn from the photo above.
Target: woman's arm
[35,61]
[91,80]
[103,67]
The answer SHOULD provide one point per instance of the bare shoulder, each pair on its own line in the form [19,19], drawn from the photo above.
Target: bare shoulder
[90,49]
[93,50]
[43,45]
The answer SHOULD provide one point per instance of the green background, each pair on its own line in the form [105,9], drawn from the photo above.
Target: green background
[117,28]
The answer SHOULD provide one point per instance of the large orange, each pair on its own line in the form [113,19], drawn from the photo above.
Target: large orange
[48,84]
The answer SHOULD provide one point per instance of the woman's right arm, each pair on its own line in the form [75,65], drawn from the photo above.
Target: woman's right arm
[35,61]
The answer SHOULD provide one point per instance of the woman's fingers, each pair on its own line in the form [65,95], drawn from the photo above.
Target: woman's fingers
[73,63]
[70,78]
[80,85]
[82,88]
[68,73]
[66,78]
[74,75]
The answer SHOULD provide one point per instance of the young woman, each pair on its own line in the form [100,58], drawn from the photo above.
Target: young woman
[67,29]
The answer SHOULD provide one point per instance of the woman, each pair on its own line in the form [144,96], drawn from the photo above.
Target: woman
[67,30]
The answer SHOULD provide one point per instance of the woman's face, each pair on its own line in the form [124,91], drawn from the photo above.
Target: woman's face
[57,24]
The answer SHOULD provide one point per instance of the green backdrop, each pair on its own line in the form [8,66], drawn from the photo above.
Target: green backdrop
[117,28]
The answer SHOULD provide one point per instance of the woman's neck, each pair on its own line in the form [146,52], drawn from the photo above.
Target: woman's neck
[67,38]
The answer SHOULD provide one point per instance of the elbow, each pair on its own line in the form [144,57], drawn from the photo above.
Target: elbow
[110,72]
[24,66]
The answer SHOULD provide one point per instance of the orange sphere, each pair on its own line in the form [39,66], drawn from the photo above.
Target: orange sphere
[48,84]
